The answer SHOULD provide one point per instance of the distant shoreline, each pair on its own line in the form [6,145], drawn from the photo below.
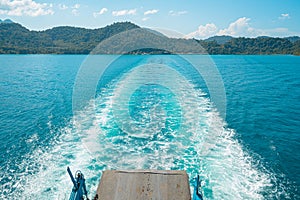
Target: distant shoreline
[150,54]
[16,39]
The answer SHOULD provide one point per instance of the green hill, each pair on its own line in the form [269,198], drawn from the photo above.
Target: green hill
[16,39]
[126,37]
[219,39]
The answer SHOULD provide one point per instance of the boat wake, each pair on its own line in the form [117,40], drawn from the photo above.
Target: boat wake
[164,123]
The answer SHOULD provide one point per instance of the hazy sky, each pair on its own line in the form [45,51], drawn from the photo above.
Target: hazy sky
[193,18]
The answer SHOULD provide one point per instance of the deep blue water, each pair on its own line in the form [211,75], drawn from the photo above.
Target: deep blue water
[141,114]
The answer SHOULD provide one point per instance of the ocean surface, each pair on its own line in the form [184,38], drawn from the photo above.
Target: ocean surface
[234,120]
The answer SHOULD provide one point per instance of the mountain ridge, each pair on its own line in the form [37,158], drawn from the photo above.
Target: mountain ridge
[17,39]
[7,21]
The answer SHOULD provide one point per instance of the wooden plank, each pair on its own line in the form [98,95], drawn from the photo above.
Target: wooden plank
[144,185]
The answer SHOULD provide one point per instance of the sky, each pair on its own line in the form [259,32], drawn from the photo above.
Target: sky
[190,18]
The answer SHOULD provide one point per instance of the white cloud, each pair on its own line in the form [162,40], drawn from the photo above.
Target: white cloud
[149,12]
[75,12]
[284,16]
[76,6]
[25,7]
[62,6]
[101,12]
[240,27]
[124,12]
[145,18]
[75,9]
[177,13]
[205,31]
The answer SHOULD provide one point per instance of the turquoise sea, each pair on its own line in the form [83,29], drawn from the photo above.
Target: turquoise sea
[234,119]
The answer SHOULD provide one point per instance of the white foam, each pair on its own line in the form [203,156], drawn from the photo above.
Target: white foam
[93,142]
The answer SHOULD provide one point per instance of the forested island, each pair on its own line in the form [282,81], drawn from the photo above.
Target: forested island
[16,39]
